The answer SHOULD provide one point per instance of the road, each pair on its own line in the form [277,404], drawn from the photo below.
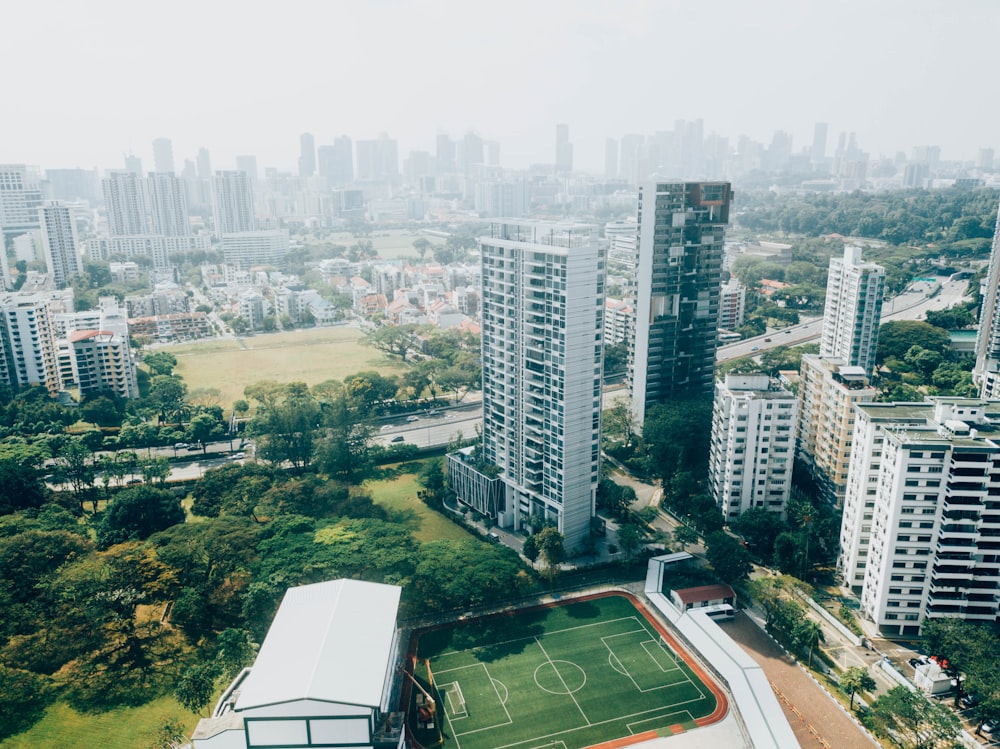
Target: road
[912,304]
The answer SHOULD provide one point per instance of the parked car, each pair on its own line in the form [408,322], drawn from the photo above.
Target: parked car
[991,726]
[970,700]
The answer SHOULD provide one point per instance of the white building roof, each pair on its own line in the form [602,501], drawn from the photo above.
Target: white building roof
[329,642]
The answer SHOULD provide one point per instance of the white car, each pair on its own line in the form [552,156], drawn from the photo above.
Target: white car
[413,418]
[449,416]
[385,427]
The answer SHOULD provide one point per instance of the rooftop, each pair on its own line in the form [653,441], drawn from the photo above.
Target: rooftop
[329,642]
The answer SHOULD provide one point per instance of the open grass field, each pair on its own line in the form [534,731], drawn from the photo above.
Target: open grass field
[399,494]
[390,243]
[124,728]
[310,356]
[566,676]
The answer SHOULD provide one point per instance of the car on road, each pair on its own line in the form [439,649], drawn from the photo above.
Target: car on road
[133,482]
[180,445]
[195,446]
[767,340]
[412,418]
[788,332]
[449,416]
[238,456]
[398,438]
[755,348]
[385,427]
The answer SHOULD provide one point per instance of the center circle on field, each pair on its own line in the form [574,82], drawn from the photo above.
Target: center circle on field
[560,677]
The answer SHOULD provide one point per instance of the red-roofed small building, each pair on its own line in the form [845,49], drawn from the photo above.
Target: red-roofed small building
[704,596]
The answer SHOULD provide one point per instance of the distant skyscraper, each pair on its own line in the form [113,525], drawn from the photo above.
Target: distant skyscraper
[853,310]
[74,184]
[204,164]
[818,152]
[378,160]
[631,153]
[233,203]
[986,372]
[307,155]
[444,155]
[543,302]
[492,152]
[678,281]
[248,163]
[984,160]
[167,201]
[20,199]
[471,153]
[611,158]
[336,162]
[60,243]
[564,149]
[125,203]
[163,156]
[133,164]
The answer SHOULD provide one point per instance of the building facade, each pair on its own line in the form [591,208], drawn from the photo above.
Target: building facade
[60,243]
[678,279]
[986,372]
[853,310]
[829,390]
[754,421]
[933,548]
[233,203]
[542,328]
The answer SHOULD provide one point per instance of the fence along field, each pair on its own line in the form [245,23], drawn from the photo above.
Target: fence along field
[567,676]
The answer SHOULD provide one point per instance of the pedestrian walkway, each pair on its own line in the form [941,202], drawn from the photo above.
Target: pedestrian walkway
[818,720]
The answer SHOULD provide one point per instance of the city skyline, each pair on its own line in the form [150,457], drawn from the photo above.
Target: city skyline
[414,70]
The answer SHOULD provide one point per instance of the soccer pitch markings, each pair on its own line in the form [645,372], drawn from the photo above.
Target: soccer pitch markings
[543,671]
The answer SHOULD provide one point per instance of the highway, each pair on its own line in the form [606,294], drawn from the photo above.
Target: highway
[912,304]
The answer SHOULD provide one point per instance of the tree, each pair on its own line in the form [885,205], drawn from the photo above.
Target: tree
[195,687]
[856,679]
[204,428]
[965,650]
[457,574]
[160,363]
[137,513]
[727,556]
[393,339]
[910,721]
[619,421]
[808,634]
[685,536]
[422,245]
[25,696]
[286,422]
[155,469]
[21,485]
[234,650]
[629,539]
[896,337]
[166,394]
[760,528]
[550,546]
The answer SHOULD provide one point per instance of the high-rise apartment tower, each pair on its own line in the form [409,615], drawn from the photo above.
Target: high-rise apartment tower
[543,307]
[678,281]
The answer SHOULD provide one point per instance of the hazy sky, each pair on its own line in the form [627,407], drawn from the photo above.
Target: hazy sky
[84,82]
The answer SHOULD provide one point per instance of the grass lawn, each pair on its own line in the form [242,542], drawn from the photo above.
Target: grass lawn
[572,675]
[124,728]
[398,243]
[311,356]
[399,494]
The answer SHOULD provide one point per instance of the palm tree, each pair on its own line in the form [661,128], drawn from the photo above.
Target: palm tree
[808,633]
[856,679]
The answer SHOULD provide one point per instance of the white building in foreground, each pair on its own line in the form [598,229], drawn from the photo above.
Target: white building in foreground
[325,675]
[754,421]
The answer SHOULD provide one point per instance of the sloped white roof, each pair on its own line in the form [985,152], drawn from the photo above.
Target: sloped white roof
[329,641]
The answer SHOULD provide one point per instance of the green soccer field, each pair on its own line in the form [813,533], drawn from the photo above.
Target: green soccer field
[569,676]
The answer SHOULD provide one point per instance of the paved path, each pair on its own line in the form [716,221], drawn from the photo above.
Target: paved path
[802,695]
